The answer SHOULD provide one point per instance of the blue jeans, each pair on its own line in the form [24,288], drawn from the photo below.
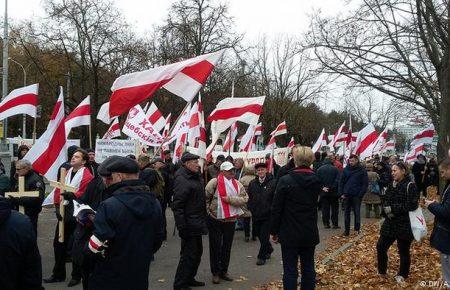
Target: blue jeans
[352,202]
[290,267]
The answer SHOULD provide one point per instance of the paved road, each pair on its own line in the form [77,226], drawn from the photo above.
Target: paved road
[162,271]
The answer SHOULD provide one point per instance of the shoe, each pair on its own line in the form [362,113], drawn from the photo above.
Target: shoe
[216,279]
[73,282]
[326,226]
[260,262]
[247,239]
[52,279]
[195,283]
[226,277]
[346,234]
[336,227]
[267,256]
[399,279]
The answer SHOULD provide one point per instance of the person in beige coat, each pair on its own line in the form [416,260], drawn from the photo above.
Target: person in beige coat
[221,230]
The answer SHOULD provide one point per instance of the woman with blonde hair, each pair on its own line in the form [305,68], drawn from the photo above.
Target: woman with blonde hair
[294,219]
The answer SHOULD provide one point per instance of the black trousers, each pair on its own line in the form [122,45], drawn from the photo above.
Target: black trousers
[34,222]
[383,245]
[190,258]
[60,251]
[330,204]
[221,236]
[262,229]
[163,210]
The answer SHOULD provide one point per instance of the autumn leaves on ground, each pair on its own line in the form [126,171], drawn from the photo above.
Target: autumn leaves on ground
[356,268]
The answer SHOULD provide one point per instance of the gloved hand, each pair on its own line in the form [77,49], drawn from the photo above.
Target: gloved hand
[68,195]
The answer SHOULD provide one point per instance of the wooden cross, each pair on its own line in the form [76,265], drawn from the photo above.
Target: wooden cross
[61,185]
[22,193]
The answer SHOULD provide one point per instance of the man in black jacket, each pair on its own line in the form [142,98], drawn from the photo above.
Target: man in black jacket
[20,266]
[127,229]
[189,209]
[33,182]
[440,237]
[260,193]
[329,196]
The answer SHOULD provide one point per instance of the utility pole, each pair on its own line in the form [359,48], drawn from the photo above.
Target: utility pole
[5,67]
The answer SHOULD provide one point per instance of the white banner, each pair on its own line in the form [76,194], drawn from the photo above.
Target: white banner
[138,127]
[105,148]
[280,154]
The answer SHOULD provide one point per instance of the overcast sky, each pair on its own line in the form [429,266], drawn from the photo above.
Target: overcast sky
[253,17]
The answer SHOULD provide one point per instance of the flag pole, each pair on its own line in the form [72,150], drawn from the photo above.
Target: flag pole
[171,129]
[90,136]
[34,130]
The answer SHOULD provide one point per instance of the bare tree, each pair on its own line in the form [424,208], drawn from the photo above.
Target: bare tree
[397,47]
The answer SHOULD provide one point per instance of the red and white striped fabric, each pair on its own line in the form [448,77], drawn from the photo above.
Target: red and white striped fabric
[366,137]
[247,139]
[80,116]
[321,141]
[339,136]
[113,131]
[389,146]
[181,130]
[227,187]
[80,181]
[411,157]
[280,130]
[378,145]
[425,136]
[258,129]
[272,144]
[155,117]
[20,101]
[228,145]
[291,144]
[183,79]
[50,151]
[165,134]
[194,125]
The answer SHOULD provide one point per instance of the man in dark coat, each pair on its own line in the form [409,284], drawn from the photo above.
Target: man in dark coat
[127,229]
[260,196]
[329,195]
[384,172]
[213,170]
[20,267]
[352,187]
[189,209]
[418,170]
[294,219]
[440,237]
[92,165]
[22,150]
[33,182]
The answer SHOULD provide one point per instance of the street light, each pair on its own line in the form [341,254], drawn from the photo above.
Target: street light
[24,117]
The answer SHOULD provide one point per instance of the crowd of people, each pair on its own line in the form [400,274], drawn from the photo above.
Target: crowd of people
[116,214]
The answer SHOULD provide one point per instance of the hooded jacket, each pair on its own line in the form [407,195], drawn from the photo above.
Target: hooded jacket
[354,181]
[20,266]
[130,225]
[294,209]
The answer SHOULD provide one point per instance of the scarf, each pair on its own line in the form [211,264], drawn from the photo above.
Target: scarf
[80,181]
[227,187]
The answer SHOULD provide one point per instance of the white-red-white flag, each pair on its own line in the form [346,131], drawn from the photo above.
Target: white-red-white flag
[155,117]
[184,79]
[378,145]
[180,133]
[113,131]
[258,129]
[228,145]
[423,137]
[247,139]
[20,101]
[281,129]
[80,116]
[291,144]
[165,134]
[339,136]
[417,149]
[366,137]
[389,146]
[321,141]
[194,125]
[50,151]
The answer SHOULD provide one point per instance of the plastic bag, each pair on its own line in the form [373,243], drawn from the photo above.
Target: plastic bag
[418,224]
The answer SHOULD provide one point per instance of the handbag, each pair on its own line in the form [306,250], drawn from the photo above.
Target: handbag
[417,221]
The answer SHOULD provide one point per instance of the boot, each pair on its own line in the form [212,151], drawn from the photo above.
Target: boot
[368,208]
[377,210]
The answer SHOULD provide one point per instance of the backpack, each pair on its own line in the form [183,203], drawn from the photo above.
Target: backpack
[158,188]
[375,188]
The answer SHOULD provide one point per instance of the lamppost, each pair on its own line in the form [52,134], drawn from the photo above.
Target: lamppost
[24,117]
